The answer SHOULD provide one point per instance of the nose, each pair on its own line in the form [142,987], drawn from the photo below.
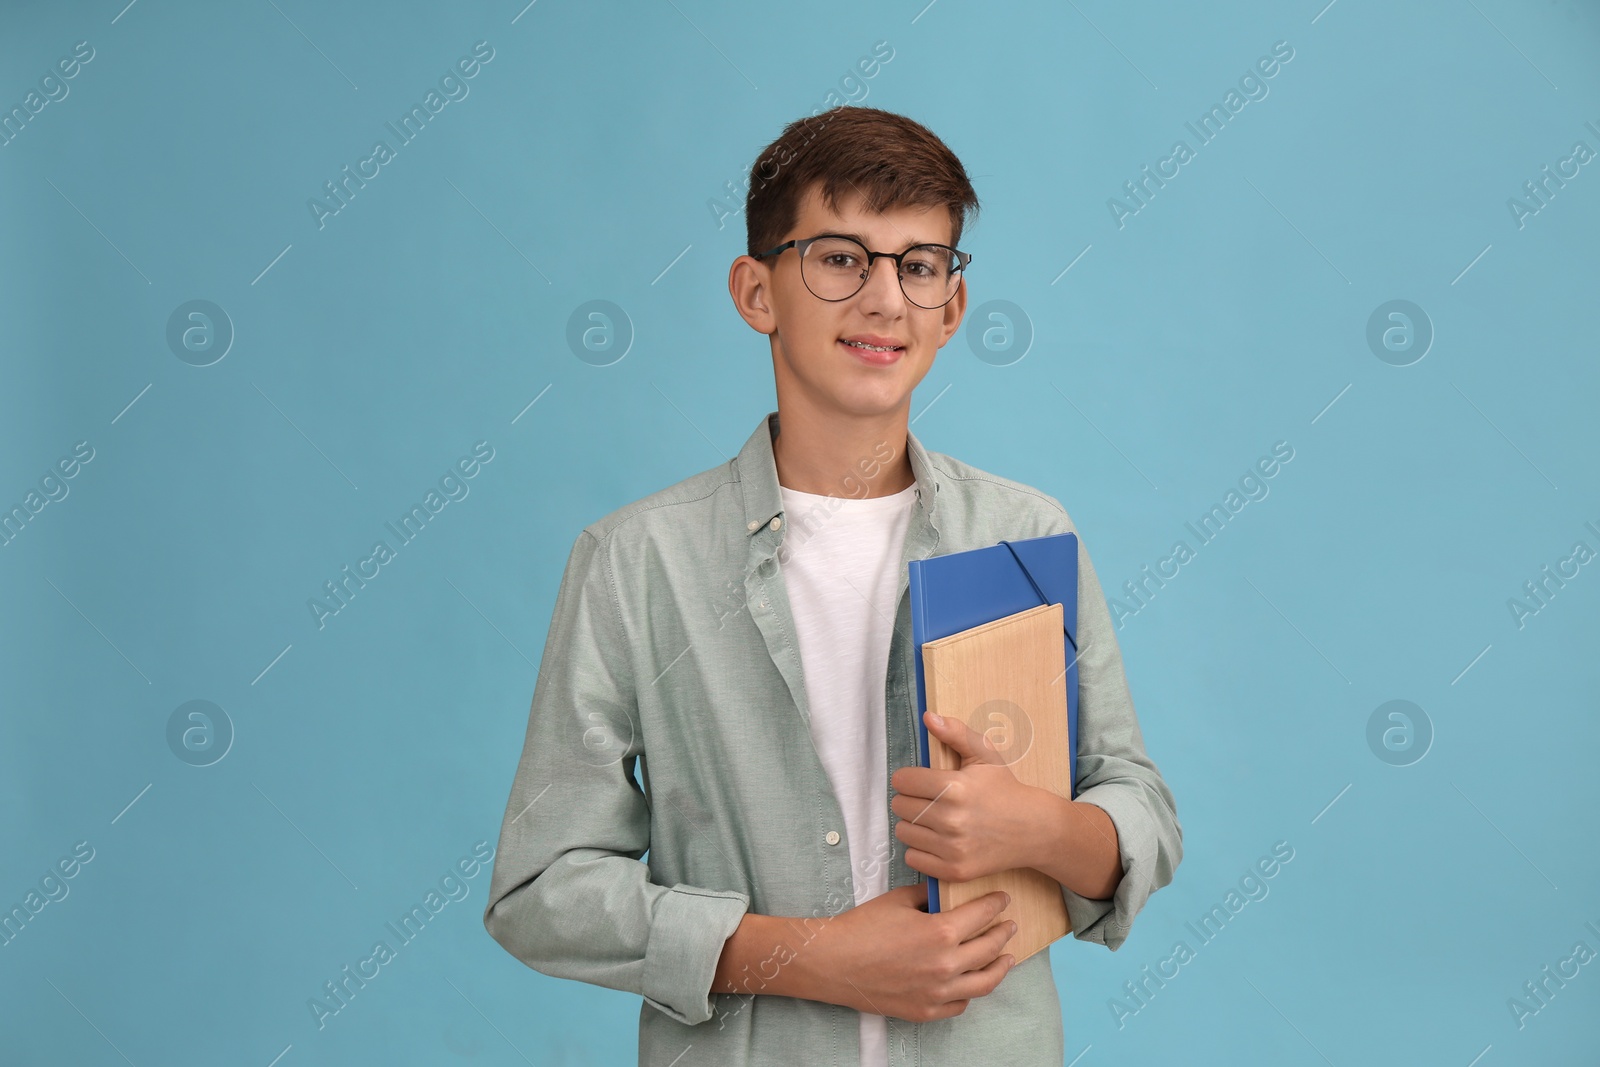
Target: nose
[881,291]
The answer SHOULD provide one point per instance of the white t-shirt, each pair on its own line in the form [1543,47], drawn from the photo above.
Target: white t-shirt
[840,564]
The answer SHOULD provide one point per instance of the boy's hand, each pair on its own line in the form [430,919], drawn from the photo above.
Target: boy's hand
[963,824]
[888,956]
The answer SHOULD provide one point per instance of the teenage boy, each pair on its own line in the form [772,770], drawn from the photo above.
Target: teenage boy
[743,639]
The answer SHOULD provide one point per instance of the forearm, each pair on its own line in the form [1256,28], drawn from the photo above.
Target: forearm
[1077,846]
[773,955]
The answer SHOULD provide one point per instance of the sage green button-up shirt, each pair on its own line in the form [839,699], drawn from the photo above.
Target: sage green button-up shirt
[672,647]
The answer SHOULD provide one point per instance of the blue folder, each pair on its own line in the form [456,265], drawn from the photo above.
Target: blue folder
[960,590]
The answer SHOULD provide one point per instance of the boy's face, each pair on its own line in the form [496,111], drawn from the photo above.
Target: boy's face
[813,364]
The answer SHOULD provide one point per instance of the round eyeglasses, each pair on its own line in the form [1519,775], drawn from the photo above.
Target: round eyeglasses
[834,267]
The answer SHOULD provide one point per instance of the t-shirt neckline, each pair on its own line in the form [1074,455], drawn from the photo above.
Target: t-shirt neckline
[859,502]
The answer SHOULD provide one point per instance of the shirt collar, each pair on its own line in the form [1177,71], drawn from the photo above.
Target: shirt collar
[758,475]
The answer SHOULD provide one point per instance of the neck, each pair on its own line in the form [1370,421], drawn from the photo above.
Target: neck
[832,454]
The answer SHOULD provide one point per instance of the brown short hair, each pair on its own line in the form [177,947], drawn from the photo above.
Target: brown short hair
[890,160]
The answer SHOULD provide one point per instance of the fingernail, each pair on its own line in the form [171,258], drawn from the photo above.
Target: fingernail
[936,719]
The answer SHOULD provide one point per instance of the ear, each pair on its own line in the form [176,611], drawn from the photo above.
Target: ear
[750,286]
[954,312]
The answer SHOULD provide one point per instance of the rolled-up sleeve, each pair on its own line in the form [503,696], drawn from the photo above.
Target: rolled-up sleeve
[569,895]
[1115,774]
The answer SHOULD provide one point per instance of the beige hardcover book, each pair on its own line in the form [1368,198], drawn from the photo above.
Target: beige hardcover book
[1007,680]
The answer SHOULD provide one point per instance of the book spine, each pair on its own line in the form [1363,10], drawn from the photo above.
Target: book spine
[919,630]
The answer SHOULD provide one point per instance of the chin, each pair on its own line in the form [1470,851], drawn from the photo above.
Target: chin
[872,404]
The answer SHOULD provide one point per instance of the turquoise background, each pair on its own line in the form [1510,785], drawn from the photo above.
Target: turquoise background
[369,755]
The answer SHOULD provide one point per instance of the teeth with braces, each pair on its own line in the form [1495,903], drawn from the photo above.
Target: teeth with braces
[873,348]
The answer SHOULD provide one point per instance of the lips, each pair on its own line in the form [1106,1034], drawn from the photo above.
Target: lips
[873,358]
[876,340]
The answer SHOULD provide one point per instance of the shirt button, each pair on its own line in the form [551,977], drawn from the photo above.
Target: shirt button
[831,837]
[776,522]
[752,525]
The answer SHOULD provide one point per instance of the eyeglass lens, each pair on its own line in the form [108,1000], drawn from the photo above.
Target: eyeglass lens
[835,268]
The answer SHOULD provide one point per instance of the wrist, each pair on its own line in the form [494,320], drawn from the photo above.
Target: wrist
[1080,847]
[1046,839]
[766,954]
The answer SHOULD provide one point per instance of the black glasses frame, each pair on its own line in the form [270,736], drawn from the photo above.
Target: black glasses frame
[800,245]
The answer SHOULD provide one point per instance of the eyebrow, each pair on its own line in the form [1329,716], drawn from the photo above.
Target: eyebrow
[864,244]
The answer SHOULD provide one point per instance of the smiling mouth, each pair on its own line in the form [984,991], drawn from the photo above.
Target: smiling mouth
[875,348]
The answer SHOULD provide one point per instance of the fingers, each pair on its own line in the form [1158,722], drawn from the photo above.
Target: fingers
[980,982]
[976,915]
[919,784]
[921,837]
[986,947]
[914,895]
